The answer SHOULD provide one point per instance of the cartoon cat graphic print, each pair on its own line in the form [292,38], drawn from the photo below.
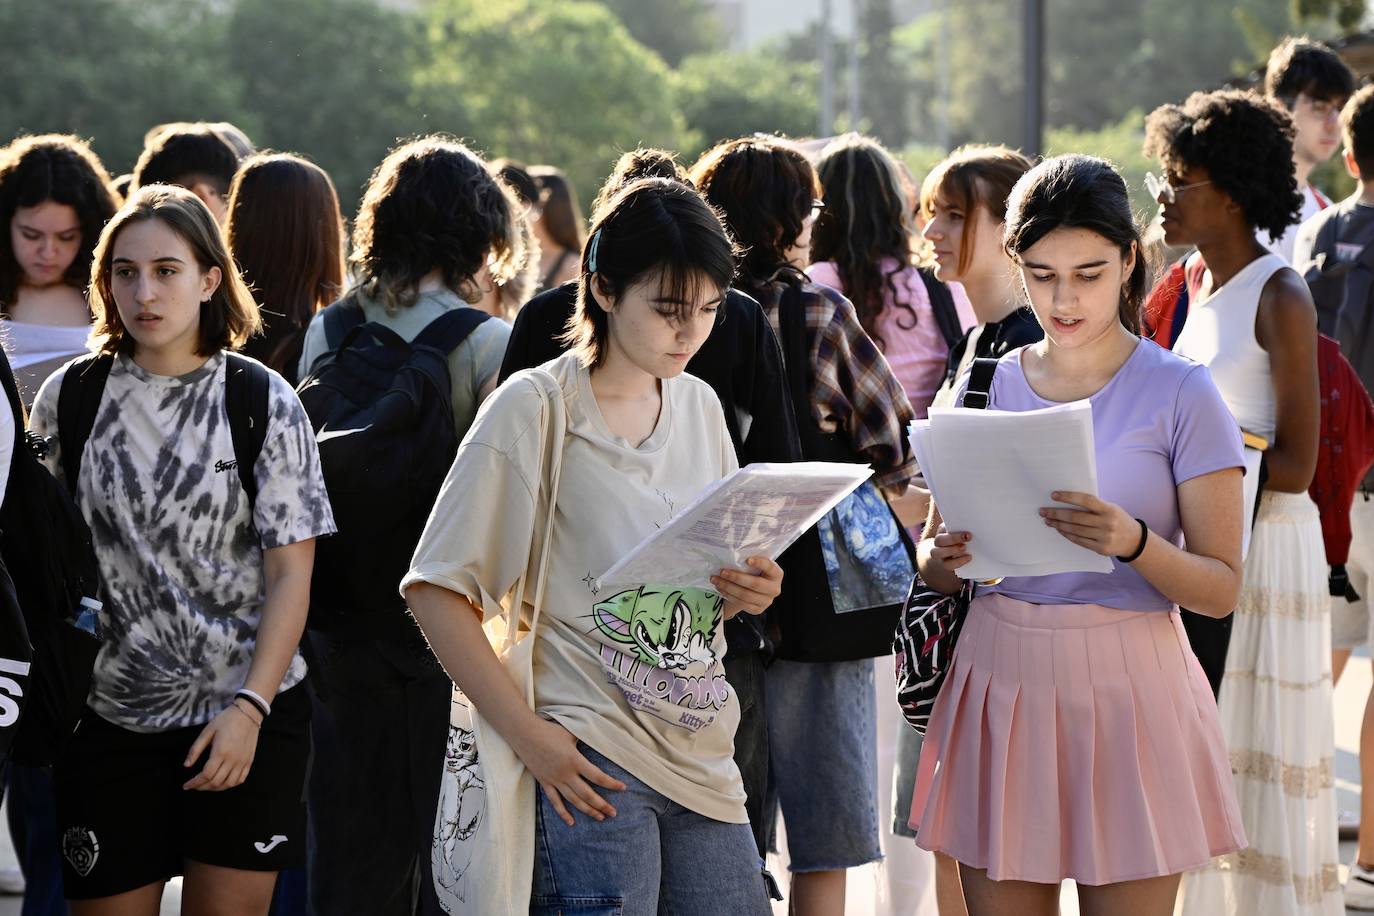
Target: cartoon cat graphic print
[657,647]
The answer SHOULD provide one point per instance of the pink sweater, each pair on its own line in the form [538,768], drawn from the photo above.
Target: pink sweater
[917,355]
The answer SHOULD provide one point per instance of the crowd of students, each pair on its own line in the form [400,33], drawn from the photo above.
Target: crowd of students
[313,463]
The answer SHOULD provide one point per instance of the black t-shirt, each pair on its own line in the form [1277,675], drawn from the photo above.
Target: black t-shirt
[742,362]
[992,340]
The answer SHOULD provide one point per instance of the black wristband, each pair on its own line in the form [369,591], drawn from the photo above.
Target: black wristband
[1140,548]
[253,701]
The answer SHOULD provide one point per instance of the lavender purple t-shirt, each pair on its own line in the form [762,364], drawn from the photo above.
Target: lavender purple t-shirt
[1158,422]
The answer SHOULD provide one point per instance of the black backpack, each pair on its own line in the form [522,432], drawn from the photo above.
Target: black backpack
[383,419]
[47,546]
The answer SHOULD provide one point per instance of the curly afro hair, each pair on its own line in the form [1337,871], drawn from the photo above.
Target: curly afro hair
[1243,140]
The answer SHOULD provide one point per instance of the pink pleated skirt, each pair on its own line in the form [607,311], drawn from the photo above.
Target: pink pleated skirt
[1075,741]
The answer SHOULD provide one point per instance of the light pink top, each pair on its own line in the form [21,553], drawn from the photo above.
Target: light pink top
[917,354]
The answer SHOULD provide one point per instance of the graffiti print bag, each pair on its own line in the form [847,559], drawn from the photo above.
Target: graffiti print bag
[483,850]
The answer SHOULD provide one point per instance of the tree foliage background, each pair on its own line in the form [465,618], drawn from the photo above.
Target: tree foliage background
[574,82]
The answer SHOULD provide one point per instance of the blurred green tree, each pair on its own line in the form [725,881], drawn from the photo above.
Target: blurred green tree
[552,82]
[726,94]
[673,28]
[110,69]
[329,78]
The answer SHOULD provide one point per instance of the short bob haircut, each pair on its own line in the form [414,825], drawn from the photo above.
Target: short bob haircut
[187,153]
[653,227]
[1243,140]
[1301,65]
[286,233]
[1079,192]
[766,189]
[61,169]
[227,319]
[433,204]
[970,177]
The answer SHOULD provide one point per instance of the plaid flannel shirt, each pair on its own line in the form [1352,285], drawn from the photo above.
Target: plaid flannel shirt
[853,387]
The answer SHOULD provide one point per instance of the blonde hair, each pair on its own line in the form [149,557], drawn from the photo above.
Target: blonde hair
[227,319]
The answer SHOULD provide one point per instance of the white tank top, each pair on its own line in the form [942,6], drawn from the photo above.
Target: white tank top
[1220,334]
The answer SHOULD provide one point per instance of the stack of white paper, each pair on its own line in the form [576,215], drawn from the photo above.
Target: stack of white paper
[757,511]
[992,471]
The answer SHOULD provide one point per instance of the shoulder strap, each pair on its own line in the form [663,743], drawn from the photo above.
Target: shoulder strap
[980,383]
[450,329]
[78,400]
[553,429]
[246,387]
[942,304]
[339,319]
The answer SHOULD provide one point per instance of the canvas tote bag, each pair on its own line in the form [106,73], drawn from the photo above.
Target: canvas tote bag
[483,850]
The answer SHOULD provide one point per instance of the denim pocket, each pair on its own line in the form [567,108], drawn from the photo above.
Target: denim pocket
[576,906]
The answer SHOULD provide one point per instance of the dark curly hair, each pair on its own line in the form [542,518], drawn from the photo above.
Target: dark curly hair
[1310,67]
[865,221]
[434,204]
[765,188]
[642,162]
[1079,192]
[653,225]
[61,169]
[1245,143]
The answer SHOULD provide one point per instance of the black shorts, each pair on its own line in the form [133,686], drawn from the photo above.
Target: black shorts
[124,820]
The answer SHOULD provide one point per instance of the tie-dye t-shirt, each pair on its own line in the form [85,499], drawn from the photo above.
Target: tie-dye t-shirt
[179,548]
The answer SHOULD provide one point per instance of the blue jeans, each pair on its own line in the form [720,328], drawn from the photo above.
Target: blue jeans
[654,857]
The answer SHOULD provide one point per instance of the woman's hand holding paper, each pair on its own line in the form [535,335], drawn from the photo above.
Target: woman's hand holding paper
[750,592]
[1100,526]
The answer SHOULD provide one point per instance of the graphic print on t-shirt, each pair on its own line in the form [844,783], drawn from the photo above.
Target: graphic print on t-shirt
[657,649]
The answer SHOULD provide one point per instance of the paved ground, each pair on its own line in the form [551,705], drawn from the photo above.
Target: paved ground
[1350,696]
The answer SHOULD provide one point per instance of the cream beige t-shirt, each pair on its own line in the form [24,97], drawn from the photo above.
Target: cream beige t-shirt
[637,674]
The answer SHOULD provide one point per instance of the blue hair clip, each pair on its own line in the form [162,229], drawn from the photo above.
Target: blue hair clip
[591,251]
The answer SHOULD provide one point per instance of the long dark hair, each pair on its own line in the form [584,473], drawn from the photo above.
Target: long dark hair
[286,233]
[654,225]
[562,218]
[1079,192]
[765,189]
[433,203]
[61,169]
[865,221]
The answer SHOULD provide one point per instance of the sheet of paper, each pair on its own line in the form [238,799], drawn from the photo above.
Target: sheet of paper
[758,510]
[992,471]
[1249,493]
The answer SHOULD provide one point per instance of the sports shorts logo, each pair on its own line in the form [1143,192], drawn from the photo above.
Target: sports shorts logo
[265,848]
[81,848]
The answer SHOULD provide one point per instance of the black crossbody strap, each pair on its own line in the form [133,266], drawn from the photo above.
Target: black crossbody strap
[980,383]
